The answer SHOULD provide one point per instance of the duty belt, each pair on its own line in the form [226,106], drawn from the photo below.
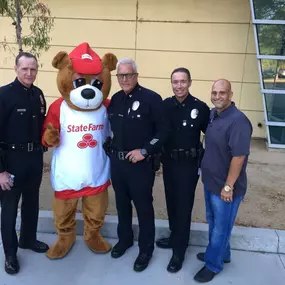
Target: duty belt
[181,153]
[28,147]
[121,155]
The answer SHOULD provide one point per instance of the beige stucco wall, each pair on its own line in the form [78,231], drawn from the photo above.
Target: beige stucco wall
[213,38]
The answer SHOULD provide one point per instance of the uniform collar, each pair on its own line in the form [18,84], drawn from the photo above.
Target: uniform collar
[189,98]
[133,92]
[20,85]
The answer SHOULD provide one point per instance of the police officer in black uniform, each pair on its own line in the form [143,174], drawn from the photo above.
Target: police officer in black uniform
[187,117]
[22,112]
[139,131]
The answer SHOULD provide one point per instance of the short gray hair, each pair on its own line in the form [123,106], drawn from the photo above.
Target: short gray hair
[128,61]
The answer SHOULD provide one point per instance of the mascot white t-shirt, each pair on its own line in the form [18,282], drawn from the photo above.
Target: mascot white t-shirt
[80,166]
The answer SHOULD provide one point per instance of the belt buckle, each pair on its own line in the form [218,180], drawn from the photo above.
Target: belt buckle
[30,147]
[121,155]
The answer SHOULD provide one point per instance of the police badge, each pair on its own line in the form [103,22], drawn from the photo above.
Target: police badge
[194,113]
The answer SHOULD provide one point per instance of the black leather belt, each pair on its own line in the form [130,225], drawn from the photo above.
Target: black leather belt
[120,154]
[181,153]
[27,147]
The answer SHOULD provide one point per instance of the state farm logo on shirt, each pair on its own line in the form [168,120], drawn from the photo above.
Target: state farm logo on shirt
[87,141]
[84,128]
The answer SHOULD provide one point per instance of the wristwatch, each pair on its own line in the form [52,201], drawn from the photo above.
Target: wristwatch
[228,188]
[143,152]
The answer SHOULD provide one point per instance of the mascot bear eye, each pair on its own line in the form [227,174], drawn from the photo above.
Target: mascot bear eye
[96,83]
[79,82]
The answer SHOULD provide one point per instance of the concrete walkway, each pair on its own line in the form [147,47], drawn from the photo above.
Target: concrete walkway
[82,267]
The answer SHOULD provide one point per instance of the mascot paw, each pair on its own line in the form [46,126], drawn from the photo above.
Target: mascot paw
[51,136]
[98,244]
[61,248]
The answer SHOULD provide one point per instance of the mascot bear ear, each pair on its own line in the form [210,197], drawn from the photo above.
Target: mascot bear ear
[61,60]
[110,60]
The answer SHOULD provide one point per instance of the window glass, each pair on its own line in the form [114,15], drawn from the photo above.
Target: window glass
[269,9]
[277,135]
[273,74]
[271,39]
[275,107]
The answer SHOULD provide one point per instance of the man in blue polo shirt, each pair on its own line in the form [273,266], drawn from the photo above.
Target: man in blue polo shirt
[223,167]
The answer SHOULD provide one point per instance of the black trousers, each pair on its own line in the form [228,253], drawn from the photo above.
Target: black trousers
[27,168]
[134,182]
[180,180]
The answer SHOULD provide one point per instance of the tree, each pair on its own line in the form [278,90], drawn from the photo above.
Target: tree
[35,38]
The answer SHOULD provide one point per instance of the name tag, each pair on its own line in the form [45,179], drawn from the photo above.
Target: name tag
[21,110]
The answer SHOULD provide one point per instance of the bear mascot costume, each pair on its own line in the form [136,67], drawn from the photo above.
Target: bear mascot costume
[77,126]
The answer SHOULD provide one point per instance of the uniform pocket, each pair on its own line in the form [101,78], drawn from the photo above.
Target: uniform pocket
[116,121]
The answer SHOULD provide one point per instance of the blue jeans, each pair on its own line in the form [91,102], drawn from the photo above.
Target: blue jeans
[220,217]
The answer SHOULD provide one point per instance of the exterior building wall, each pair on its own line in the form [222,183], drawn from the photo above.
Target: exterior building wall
[213,38]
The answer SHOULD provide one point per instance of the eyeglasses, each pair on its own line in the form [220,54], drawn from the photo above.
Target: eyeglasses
[126,75]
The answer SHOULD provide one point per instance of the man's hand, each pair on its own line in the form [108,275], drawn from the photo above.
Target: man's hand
[227,196]
[5,181]
[135,155]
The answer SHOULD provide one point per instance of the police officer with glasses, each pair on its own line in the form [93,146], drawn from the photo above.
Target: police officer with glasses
[137,123]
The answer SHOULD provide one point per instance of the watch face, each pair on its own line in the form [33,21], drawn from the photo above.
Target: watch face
[227,188]
[143,152]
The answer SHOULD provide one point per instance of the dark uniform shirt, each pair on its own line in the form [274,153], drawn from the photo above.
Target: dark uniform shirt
[186,121]
[22,113]
[137,120]
[228,135]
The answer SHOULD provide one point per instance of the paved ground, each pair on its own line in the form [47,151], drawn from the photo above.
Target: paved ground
[263,206]
[82,266]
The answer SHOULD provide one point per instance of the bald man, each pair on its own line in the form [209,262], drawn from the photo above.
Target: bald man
[224,176]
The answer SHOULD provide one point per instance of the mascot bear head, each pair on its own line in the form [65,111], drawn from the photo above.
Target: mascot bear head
[83,79]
